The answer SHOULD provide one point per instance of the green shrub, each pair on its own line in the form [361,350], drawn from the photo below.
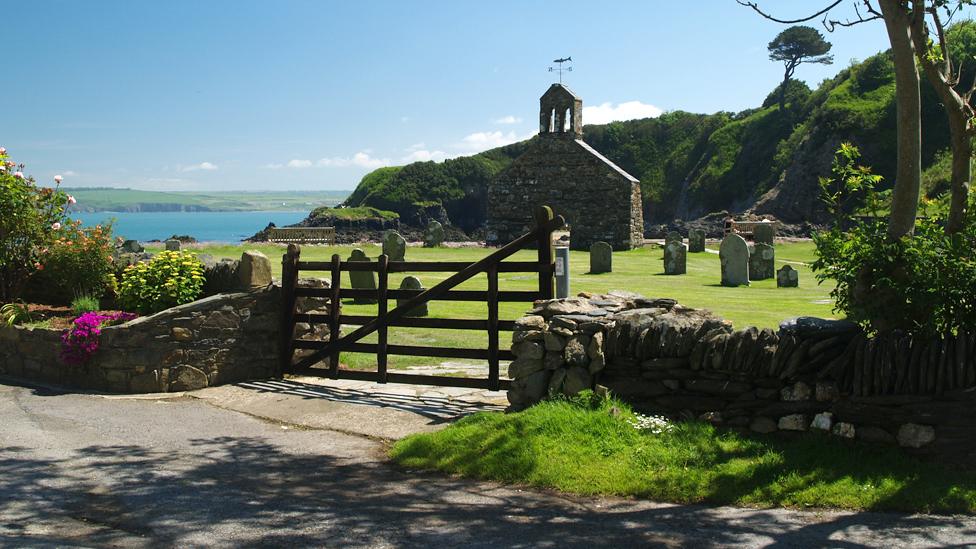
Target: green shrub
[77,262]
[14,313]
[84,303]
[921,283]
[169,279]
[31,216]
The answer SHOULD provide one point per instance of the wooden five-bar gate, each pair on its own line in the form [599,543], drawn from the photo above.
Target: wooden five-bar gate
[493,264]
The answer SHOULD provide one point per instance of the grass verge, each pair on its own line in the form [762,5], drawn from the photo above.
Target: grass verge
[593,449]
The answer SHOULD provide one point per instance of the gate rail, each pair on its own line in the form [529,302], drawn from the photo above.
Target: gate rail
[493,264]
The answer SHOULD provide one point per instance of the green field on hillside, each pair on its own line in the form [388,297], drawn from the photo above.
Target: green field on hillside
[761,304]
[132,200]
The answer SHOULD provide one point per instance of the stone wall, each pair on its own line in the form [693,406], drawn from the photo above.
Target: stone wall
[600,201]
[810,374]
[220,339]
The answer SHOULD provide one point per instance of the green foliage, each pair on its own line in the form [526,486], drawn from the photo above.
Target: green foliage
[361,213]
[169,279]
[14,313]
[84,303]
[78,261]
[599,449]
[797,94]
[799,44]
[31,217]
[921,283]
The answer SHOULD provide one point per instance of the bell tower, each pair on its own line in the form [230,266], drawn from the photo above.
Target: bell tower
[560,113]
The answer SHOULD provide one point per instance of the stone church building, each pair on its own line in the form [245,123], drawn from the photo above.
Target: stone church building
[599,200]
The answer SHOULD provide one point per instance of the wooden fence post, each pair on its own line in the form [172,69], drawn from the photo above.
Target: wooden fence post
[547,278]
[289,280]
[382,304]
[493,366]
[335,310]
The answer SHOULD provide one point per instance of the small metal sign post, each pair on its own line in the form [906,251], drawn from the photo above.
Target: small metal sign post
[562,272]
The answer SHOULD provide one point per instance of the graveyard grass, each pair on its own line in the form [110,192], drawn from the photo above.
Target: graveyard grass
[641,270]
[590,449]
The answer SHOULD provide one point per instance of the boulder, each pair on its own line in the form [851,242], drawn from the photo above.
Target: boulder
[254,270]
[913,435]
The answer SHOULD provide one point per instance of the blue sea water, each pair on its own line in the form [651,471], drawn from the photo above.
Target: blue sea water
[204,226]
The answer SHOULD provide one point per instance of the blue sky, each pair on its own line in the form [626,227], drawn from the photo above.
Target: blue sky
[248,95]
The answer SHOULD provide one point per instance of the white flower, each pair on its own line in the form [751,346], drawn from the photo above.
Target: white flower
[71,199]
[58,178]
[652,424]
[56,226]
[19,175]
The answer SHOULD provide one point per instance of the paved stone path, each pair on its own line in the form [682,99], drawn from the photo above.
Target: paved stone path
[178,470]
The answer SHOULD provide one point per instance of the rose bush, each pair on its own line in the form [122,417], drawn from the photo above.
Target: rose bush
[31,217]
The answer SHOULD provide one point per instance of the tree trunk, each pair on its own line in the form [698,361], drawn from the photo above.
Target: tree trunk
[957,112]
[908,176]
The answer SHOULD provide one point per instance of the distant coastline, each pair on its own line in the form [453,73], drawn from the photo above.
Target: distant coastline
[104,199]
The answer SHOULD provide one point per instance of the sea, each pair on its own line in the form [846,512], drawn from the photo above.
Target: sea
[204,226]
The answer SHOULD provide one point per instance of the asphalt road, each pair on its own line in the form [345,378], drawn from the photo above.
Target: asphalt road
[86,470]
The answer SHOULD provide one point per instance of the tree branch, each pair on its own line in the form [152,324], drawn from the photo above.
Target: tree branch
[755,7]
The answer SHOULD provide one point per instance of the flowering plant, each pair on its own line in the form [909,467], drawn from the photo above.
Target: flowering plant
[31,217]
[651,424]
[78,261]
[169,279]
[80,342]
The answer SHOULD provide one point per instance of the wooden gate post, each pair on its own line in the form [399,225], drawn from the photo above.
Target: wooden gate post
[547,275]
[335,310]
[382,305]
[289,280]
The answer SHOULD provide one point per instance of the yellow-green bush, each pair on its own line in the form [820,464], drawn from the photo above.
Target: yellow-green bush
[169,279]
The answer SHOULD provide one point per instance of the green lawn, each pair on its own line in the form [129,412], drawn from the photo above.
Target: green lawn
[592,449]
[761,304]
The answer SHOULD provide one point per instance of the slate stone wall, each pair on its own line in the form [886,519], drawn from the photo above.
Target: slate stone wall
[598,201]
[810,374]
[221,339]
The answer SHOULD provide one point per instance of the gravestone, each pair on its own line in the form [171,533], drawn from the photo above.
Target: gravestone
[696,240]
[173,245]
[394,246]
[675,258]
[762,262]
[412,283]
[254,270]
[734,257]
[434,235]
[764,233]
[361,280]
[601,258]
[787,277]
[672,236]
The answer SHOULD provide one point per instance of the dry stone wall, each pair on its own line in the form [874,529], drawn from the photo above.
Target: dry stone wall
[811,374]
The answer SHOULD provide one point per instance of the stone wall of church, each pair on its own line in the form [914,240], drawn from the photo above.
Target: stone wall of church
[598,202]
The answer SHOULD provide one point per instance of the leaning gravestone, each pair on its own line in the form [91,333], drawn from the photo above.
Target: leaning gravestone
[394,246]
[764,233]
[675,258]
[412,283]
[762,262]
[132,247]
[361,280]
[173,245]
[787,277]
[601,258]
[434,235]
[696,240]
[734,256]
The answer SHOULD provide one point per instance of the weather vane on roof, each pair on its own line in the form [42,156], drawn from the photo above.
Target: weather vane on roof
[560,69]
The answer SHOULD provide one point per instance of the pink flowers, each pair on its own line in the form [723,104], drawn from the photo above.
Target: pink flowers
[71,200]
[3,150]
[58,178]
[80,342]
[56,226]
[19,175]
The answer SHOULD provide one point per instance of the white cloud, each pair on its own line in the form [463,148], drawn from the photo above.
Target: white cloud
[71,173]
[423,155]
[203,166]
[508,120]
[274,166]
[481,141]
[298,164]
[361,159]
[628,110]
[417,146]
